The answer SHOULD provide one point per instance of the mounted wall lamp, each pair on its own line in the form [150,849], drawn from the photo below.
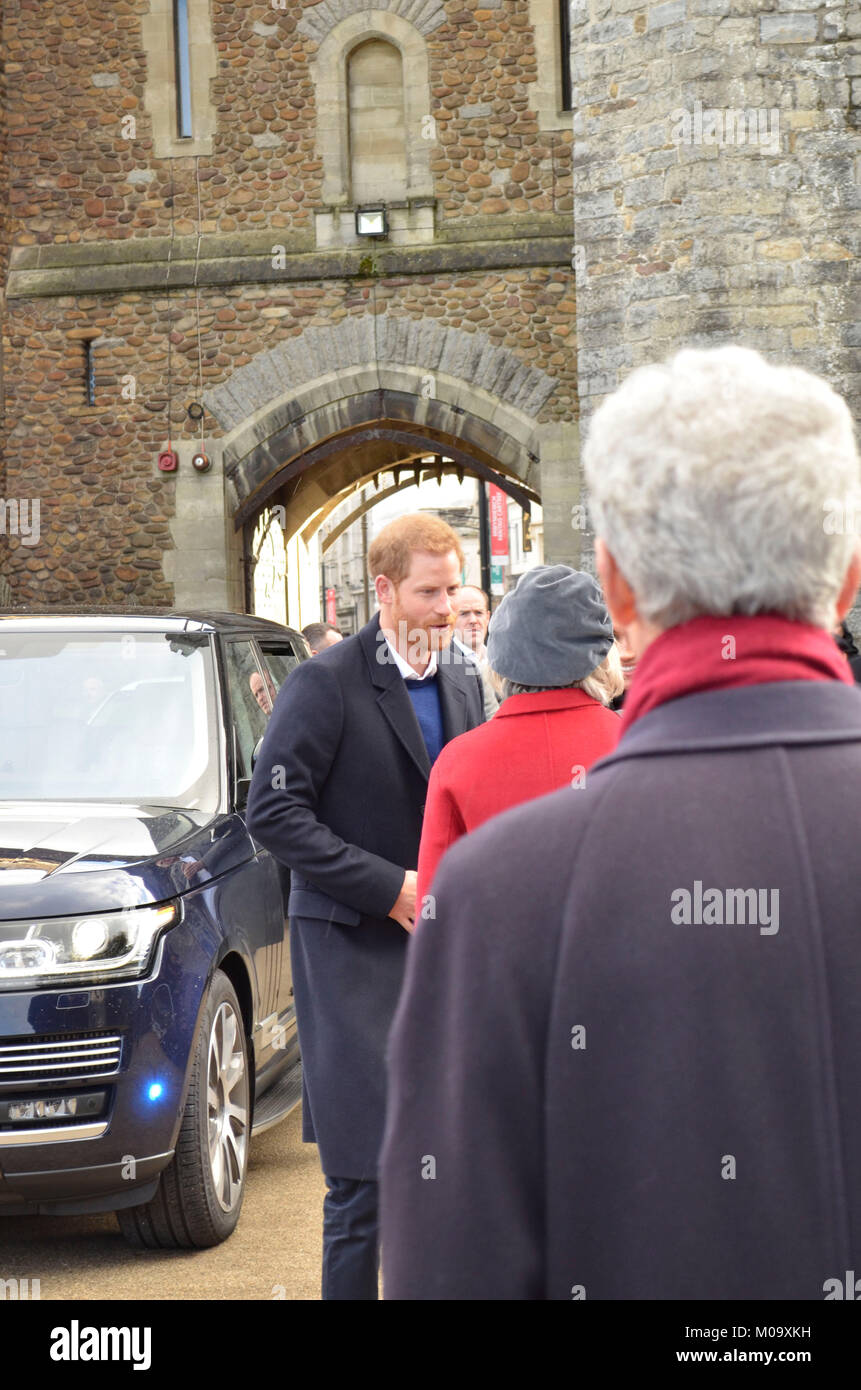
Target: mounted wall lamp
[372,222]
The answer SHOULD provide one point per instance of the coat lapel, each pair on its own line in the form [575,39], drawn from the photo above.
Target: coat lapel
[452,697]
[392,697]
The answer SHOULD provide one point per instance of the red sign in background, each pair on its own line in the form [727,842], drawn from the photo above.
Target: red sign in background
[331,609]
[498,508]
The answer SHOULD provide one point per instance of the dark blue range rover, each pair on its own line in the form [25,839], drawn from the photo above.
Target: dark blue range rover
[147,1026]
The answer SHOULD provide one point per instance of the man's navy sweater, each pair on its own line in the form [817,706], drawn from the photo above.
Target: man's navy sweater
[425,697]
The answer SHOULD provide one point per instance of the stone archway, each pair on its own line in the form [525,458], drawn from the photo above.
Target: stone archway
[304,422]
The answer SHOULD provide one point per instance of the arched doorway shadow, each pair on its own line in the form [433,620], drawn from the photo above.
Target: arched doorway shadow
[301,496]
[310,461]
[305,422]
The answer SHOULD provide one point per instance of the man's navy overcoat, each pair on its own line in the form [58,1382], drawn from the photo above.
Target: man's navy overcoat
[337,795]
[619,1103]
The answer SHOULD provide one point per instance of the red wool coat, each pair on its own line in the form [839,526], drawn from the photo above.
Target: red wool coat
[534,744]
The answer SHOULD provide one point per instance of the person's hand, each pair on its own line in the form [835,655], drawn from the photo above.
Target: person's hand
[404,910]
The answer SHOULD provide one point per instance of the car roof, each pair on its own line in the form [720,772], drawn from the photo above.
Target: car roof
[82,619]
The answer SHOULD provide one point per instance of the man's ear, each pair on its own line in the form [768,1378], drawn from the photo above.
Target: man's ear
[384,589]
[850,585]
[618,594]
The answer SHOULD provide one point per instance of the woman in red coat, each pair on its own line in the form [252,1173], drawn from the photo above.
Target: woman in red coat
[551,647]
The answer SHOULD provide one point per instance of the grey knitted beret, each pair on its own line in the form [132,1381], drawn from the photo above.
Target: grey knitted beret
[552,630]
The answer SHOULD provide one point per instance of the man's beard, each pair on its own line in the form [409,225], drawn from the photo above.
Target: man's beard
[417,639]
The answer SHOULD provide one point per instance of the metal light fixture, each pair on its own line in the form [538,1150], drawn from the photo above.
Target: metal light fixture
[372,222]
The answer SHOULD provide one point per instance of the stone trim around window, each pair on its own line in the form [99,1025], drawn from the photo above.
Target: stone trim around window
[547,90]
[160,89]
[318,20]
[329,72]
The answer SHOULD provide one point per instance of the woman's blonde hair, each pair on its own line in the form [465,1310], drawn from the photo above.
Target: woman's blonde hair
[603,684]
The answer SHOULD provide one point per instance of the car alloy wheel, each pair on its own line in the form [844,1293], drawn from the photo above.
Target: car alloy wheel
[227,1106]
[199,1196]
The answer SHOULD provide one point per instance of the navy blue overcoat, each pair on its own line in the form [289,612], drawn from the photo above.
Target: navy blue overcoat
[337,795]
[626,1060]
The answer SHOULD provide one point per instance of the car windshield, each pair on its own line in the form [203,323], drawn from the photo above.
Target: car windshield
[113,716]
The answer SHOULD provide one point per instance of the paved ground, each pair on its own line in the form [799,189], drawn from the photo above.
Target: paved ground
[274,1252]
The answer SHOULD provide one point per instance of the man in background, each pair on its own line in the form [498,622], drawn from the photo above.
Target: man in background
[470,631]
[321,636]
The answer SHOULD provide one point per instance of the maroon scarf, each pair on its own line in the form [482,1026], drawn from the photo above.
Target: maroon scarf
[714,653]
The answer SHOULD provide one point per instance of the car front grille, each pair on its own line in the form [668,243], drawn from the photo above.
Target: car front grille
[59,1057]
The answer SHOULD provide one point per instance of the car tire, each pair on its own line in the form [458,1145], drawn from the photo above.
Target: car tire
[200,1193]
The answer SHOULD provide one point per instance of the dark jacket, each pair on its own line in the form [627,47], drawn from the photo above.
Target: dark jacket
[618,1105]
[338,794]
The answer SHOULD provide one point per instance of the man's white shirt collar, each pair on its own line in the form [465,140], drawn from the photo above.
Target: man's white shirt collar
[476,656]
[406,669]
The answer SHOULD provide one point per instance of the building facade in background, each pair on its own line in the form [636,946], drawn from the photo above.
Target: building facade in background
[185,178]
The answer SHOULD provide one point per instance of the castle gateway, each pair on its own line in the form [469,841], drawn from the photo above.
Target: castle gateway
[304,243]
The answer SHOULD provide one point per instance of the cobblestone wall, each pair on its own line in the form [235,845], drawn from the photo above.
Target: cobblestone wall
[5,238]
[81,134]
[106,511]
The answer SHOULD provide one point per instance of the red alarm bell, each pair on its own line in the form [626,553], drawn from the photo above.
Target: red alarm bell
[168,461]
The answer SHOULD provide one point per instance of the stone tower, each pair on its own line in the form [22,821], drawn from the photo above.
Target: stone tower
[717,183]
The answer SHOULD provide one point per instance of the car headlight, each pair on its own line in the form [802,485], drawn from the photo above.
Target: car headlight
[95,947]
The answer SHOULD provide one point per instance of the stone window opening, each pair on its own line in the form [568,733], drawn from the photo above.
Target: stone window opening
[90,366]
[375,129]
[181,62]
[182,67]
[565,85]
[552,95]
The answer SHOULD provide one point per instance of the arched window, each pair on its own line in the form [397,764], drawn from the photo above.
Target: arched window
[375,128]
[269,557]
[378,146]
